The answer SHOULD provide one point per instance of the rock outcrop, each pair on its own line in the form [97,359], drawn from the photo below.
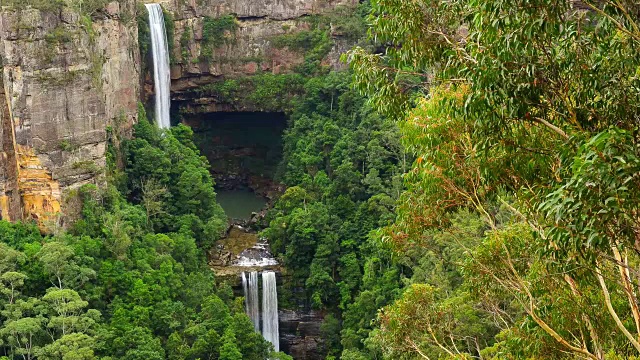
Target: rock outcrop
[268,9]
[300,333]
[66,78]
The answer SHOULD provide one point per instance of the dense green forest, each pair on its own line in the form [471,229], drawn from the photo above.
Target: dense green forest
[468,189]
[130,279]
[518,225]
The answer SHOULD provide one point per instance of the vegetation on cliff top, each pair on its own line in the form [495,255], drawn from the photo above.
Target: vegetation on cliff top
[215,33]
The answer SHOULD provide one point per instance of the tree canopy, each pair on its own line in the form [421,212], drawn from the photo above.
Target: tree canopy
[524,115]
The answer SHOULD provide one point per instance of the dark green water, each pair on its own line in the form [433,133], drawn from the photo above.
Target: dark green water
[239,204]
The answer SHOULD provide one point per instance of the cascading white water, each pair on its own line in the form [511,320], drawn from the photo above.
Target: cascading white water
[251,299]
[270,309]
[245,288]
[270,329]
[161,71]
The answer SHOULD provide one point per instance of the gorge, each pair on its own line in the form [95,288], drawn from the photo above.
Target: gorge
[319,179]
[243,148]
[72,80]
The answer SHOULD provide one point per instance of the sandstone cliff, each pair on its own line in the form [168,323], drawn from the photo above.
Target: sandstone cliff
[65,79]
[246,50]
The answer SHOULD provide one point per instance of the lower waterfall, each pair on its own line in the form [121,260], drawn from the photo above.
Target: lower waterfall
[251,299]
[269,314]
[270,309]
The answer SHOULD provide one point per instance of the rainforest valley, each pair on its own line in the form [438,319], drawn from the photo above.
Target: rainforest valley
[463,184]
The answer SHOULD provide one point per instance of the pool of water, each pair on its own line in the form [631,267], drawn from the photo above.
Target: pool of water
[239,204]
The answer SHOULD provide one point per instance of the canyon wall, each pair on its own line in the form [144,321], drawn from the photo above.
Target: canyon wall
[66,79]
[246,50]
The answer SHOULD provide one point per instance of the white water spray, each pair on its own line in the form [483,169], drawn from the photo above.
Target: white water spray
[245,288]
[270,309]
[161,71]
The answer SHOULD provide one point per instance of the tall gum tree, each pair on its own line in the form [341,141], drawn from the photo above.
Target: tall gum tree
[548,111]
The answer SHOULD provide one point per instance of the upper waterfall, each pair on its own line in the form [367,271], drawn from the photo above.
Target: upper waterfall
[161,71]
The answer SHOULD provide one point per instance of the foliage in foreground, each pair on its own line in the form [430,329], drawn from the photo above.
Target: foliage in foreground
[523,116]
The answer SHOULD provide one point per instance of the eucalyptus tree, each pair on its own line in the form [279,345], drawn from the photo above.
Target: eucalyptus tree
[542,99]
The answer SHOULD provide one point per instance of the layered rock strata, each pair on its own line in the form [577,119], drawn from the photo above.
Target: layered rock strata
[66,79]
[300,334]
[246,51]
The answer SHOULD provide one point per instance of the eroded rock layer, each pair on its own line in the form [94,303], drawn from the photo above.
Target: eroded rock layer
[66,78]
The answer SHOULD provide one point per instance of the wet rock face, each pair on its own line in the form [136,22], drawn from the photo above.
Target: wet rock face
[258,255]
[64,80]
[244,149]
[300,334]
[241,250]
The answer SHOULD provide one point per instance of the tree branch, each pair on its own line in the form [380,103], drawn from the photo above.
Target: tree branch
[612,311]
[628,289]
[554,128]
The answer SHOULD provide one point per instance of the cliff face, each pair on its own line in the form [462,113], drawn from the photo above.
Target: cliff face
[269,9]
[65,79]
[300,334]
[246,50]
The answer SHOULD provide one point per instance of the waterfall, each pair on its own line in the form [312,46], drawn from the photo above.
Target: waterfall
[270,309]
[251,299]
[161,71]
[269,304]
[245,288]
